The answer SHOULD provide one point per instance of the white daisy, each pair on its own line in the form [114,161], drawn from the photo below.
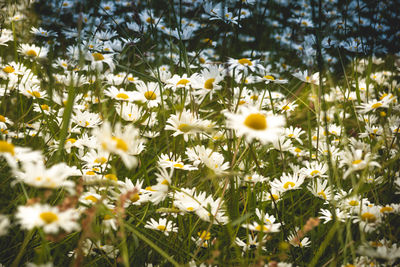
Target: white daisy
[256,124]
[49,218]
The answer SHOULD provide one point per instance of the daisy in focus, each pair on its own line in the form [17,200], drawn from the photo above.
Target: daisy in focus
[256,124]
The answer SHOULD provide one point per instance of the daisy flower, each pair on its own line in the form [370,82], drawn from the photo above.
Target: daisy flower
[162,225]
[98,60]
[125,142]
[148,93]
[32,90]
[254,178]
[263,227]
[207,81]
[33,51]
[171,161]
[36,174]
[252,242]
[307,78]
[314,169]
[287,107]
[49,218]
[243,64]
[326,215]
[288,182]
[177,82]
[212,159]
[320,188]
[271,78]
[129,111]
[356,160]
[183,123]
[86,119]
[295,241]
[119,94]
[294,133]
[372,106]
[256,124]
[89,198]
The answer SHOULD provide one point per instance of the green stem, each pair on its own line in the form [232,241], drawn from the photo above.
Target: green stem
[23,247]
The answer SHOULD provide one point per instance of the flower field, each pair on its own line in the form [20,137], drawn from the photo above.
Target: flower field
[199,133]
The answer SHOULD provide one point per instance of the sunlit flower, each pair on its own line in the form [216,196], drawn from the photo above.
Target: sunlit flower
[256,124]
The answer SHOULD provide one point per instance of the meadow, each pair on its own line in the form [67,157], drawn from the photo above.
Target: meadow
[199,133]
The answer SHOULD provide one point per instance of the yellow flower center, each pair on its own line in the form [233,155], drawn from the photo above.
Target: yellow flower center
[150,95]
[245,61]
[204,235]
[269,77]
[262,228]
[376,105]
[150,20]
[189,208]
[111,176]
[31,53]
[100,160]
[315,172]
[183,127]
[165,182]
[368,217]
[97,56]
[2,118]
[256,121]
[274,196]
[90,173]
[209,84]
[120,144]
[34,93]
[8,69]
[150,189]
[357,161]
[6,147]
[122,95]
[182,82]
[254,97]
[45,107]
[48,217]
[134,197]
[285,107]
[322,194]
[386,209]
[161,227]
[353,203]
[287,184]
[70,140]
[178,165]
[91,198]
